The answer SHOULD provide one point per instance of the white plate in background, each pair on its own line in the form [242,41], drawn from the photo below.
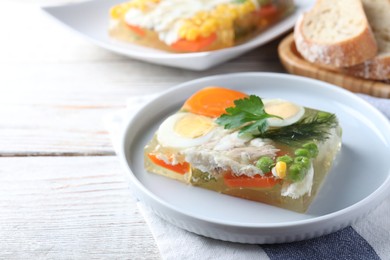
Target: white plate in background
[90,19]
[358,182]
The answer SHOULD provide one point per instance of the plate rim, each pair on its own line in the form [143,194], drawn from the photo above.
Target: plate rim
[378,192]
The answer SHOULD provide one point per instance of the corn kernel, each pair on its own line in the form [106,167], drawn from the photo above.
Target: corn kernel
[192,34]
[246,9]
[225,23]
[202,15]
[183,32]
[116,12]
[280,169]
[197,21]
[232,14]
[221,9]
[208,28]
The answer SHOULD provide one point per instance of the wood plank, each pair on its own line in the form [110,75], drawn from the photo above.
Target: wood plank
[69,208]
[57,115]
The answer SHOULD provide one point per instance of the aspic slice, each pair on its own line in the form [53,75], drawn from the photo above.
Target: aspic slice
[270,151]
[196,25]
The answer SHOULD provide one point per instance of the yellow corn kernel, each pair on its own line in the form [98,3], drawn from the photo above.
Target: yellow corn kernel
[202,15]
[280,169]
[232,13]
[116,12]
[192,34]
[246,8]
[249,6]
[197,21]
[222,10]
[183,32]
[208,28]
[225,23]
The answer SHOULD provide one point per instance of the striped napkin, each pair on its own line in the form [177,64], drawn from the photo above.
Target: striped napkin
[367,239]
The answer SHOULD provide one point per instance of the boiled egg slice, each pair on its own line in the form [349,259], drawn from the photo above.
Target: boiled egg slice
[288,111]
[182,130]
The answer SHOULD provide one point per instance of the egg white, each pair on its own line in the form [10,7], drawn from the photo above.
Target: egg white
[167,136]
[277,122]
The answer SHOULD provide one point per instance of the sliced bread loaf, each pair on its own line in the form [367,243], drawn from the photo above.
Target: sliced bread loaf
[335,33]
[378,68]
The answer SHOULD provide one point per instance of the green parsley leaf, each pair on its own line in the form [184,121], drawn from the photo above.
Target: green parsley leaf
[248,115]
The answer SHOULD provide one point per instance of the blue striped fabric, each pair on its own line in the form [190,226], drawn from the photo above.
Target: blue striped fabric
[345,244]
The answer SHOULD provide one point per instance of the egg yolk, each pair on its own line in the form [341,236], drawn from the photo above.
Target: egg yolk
[282,109]
[193,126]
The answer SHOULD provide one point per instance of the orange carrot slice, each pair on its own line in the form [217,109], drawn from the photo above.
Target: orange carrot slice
[137,30]
[181,168]
[212,101]
[267,11]
[244,181]
[196,45]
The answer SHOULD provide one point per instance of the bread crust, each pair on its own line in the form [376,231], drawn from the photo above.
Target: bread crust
[349,52]
[377,68]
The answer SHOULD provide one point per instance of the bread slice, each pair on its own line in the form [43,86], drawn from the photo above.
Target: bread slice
[378,68]
[335,33]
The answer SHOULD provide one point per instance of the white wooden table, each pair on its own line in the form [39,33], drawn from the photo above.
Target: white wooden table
[62,190]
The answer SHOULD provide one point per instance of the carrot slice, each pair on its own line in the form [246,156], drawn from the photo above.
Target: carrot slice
[244,181]
[267,10]
[196,45]
[137,30]
[181,168]
[212,101]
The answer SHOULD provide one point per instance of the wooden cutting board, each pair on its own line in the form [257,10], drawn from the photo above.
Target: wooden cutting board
[295,64]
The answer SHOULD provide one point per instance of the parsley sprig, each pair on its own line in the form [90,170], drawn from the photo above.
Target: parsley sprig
[248,115]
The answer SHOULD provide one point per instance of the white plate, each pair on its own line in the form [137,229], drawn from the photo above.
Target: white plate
[358,182]
[90,19]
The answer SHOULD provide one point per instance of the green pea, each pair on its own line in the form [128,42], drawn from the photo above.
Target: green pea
[265,164]
[296,172]
[285,158]
[303,161]
[312,148]
[302,152]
